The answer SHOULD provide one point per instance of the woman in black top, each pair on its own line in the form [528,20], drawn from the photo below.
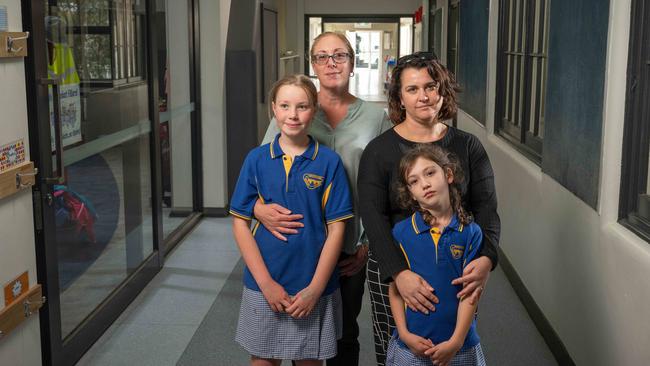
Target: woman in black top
[421,96]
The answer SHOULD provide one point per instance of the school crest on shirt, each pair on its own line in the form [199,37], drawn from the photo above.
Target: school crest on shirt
[312,181]
[456,250]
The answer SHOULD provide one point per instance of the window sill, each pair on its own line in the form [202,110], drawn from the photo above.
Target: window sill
[523,149]
[638,225]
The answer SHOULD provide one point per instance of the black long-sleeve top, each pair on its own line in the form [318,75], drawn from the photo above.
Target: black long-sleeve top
[378,172]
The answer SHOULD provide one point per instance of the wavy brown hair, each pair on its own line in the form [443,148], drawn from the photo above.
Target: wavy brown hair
[448,88]
[449,164]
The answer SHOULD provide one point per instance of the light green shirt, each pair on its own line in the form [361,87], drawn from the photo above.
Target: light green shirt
[363,122]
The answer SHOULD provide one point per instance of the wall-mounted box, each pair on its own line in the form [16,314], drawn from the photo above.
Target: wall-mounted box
[17,178]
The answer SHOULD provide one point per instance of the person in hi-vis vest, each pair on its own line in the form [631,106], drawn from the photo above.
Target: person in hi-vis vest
[61,65]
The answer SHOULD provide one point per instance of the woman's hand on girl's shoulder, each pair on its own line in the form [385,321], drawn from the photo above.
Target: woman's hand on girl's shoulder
[276,296]
[303,303]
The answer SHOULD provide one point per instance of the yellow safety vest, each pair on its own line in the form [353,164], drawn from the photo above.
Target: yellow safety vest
[63,66]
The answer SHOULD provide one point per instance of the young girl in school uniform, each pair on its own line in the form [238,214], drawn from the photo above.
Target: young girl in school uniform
[438,241]
[291,305]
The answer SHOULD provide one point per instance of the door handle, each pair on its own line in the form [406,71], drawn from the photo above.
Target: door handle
[58,142]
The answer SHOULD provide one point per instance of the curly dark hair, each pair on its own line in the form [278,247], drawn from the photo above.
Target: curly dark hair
[448,88]
[449,163]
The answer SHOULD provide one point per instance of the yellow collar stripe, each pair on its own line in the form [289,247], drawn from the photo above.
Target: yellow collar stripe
[415,227]
[313,157]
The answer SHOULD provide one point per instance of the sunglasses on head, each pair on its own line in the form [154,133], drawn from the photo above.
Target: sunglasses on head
[417,57]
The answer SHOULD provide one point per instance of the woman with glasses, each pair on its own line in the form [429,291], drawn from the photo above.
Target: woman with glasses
[421,97]
[345,124]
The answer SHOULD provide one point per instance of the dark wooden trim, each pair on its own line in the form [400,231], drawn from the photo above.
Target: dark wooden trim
[215,211]
[360,18]
[307,56]
[544,327]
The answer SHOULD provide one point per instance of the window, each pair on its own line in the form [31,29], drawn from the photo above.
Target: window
[405,36]
[108,38]
[634,209]
[521,91]
[452,37]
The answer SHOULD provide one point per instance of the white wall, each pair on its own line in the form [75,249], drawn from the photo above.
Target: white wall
[588,274]
[179,87]
[23,345]
[214,30]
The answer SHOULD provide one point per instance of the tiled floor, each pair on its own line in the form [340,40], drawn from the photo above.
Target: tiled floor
[157,326]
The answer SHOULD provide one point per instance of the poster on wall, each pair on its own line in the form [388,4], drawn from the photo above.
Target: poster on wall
[70,109]
[63,67]
[12,154]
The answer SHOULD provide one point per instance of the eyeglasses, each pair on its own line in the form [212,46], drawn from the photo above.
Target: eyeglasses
[338,58]
[417,57]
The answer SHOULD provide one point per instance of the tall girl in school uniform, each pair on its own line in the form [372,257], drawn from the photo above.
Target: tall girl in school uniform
[291,304]
[438,241]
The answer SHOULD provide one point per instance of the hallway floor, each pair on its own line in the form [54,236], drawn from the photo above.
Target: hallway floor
[187,315]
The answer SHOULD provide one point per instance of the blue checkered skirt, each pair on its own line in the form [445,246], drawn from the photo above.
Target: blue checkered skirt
[266,334]
[402,356]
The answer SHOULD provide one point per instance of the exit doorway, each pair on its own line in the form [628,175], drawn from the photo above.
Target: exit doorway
[377,42]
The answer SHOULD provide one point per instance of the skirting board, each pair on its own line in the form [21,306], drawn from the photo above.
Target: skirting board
[215,211]
[545,328]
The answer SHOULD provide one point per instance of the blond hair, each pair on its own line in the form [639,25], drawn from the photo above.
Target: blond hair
[298,80]
[340,36]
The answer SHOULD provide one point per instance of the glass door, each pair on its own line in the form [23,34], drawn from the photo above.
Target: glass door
[93,130]
[178,114]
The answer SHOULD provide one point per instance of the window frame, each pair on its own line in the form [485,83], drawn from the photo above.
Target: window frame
[636,130]
[529,144]
[130,20]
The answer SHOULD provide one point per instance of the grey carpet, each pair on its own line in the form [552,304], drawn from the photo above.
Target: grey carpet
[508,335]
[213,342]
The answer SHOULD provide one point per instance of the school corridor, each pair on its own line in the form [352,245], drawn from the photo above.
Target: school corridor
[187,315]
[125,124]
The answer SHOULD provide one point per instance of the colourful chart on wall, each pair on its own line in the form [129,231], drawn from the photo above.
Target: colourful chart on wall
[12,154]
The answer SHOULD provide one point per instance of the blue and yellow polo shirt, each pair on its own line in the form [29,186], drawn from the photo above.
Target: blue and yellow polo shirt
[439,257]
[314,184]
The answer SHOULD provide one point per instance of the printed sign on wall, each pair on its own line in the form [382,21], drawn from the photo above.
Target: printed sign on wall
[4,23]
[12,154]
